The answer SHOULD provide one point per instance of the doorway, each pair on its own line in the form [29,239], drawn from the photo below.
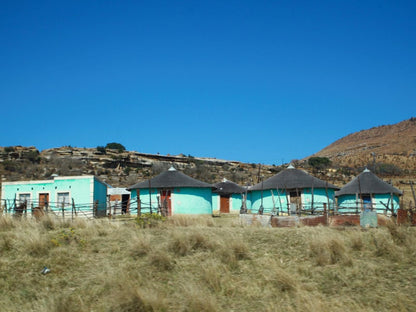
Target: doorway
[44,200]
[295,201]
[125,202]
[225,204]
[367,202]
[165,202]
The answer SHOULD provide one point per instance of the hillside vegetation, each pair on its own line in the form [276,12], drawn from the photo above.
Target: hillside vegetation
[203,264]
[390,144]
[389,151]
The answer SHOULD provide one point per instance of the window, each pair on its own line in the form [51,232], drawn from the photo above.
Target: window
[63,199]
[24,198]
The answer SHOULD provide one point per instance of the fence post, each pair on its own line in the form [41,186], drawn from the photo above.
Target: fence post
[63,210]
[74,210]
[115,208]
[95,209]
[139,207]
[325,213]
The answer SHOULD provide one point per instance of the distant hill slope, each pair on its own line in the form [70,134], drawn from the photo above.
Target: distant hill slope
[120,168]
[394,144]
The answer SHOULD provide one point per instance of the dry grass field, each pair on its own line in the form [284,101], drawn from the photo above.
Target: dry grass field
[203,264]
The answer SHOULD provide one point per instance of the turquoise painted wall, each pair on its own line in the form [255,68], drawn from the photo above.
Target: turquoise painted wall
[255,201]
[215,201]
[235,202]
[280,200]
[100,194]
[319,199]
[145,200]
[184,200]
[192,201]
[84,190]
[348,203]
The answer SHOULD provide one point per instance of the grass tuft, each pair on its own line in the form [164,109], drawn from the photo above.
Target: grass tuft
[161,260]
[6,222]
[132,300]
[141,246]
[67,303]
[187,221]
[329,251]
[115,265]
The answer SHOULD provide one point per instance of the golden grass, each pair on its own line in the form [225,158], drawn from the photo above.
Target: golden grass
[203,264]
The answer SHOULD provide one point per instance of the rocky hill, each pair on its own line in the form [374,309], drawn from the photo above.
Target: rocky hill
[390,151]
[391,145]
[120,168]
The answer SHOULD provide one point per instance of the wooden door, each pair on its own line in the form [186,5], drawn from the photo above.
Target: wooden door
[225,204]
[44,200]
[165,202]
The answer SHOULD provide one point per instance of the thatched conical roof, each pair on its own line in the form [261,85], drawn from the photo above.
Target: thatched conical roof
[170,179]
[292,178]
[367,183]
[228,187]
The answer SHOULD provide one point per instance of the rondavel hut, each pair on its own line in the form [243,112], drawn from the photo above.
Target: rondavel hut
[173,192]
[291,191]
[228,197]
[367,191]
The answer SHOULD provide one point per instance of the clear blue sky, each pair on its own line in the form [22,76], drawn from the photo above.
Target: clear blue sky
[254,81]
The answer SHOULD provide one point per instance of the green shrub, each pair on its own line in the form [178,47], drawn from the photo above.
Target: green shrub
[101,149]
[116,146]
[319,163]
[12,166]
[9,149]
[32,156]
[148,220]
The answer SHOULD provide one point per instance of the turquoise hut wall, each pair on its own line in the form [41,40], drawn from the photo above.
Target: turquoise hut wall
[215,201]
[350,203]
[145,197]
[280,199]
[192,201]
[255,201]
[183,200]
[83,189]
[319,198]
[384,198]
[235,202]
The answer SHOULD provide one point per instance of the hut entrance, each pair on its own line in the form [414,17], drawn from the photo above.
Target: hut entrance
[295,201]
[165,202]
[367,202]
[225,204]
[125,203]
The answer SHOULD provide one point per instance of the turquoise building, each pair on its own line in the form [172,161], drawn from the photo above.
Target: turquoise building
[228,197]
[172,192]
[368,192]
[291,191]
[87,194]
